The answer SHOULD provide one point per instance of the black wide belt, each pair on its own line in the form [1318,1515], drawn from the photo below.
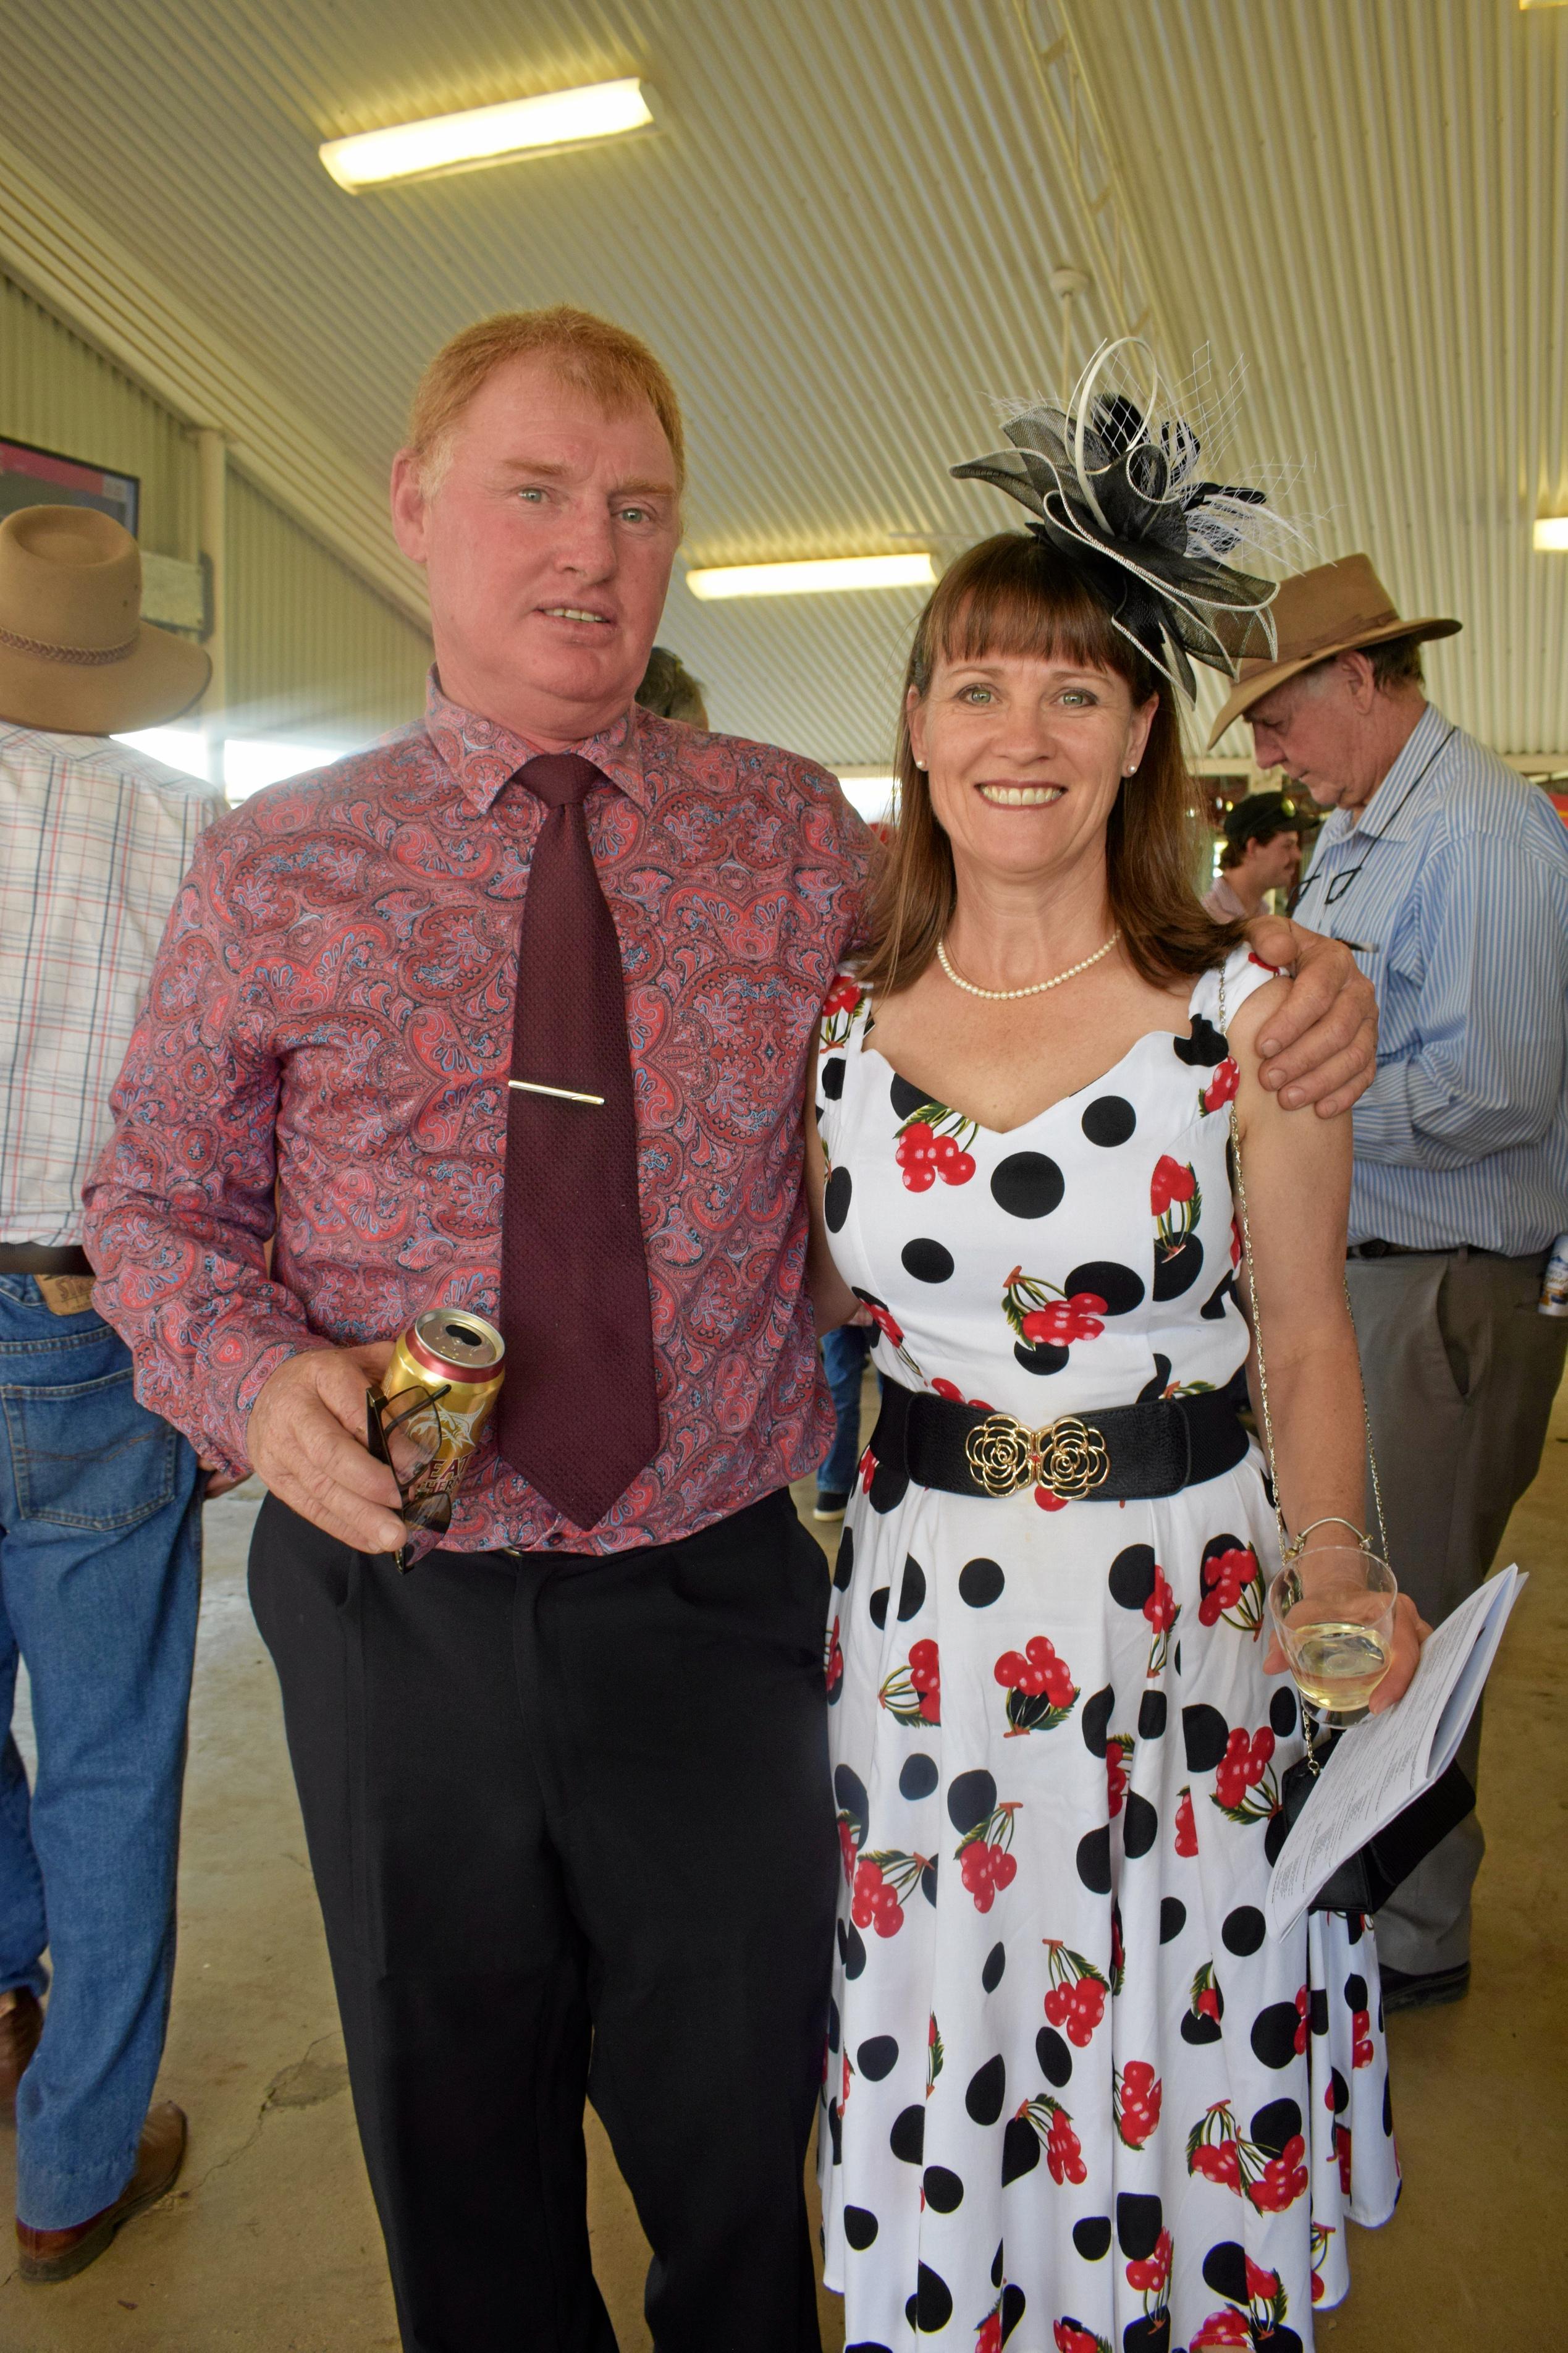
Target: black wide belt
[1120,1454]
[44,1258]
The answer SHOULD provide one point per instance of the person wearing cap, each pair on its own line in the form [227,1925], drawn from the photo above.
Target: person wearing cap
[1447,875]
[1262,852]
[100,1499]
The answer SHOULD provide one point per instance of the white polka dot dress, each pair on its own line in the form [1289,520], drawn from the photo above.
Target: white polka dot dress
[1076,2100]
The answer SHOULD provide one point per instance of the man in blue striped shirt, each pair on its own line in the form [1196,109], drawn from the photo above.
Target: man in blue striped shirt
[1447,874]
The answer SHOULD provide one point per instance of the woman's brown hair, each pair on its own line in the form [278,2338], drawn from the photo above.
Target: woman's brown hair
[1015,594]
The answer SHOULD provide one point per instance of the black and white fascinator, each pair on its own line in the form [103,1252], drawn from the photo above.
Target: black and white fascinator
[1113,482]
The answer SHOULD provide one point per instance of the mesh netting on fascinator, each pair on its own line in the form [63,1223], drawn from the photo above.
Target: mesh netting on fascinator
[1112,482]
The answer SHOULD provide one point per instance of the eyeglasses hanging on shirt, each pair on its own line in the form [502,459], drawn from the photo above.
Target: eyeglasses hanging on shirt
[1337,884]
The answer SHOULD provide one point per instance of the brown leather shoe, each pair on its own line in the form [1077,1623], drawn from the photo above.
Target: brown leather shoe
[21,2023]
[49,2255]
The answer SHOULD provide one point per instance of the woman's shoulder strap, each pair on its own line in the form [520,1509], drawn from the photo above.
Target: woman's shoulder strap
[1224,988]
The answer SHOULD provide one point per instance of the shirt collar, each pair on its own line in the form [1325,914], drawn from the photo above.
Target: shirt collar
[1391,812]
[483,754]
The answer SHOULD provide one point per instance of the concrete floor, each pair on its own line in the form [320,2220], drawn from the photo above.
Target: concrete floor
[269,2242]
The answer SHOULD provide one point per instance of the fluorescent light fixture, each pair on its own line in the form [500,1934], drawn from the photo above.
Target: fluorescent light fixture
[833,573]
[488,135]
[1551,534]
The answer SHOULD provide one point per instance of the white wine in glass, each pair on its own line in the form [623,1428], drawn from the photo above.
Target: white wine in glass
[1335,1612]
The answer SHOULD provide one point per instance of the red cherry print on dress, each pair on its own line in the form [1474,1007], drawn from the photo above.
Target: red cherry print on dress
[1072,2337]
[1136,2094]
[833,1665]
[1233,1590]
[1041,1693]
[1118,1754]
[1228,2328]
[1076,2001]
[934,1142]
[867,1468]
[1282,2180]
[1221,1087]
[1149,2277]
[1243,1768]
[1303,2010]
[1172,1181]
[988,2338]
[913,1693]
[985,1862]
[1187,1828]
[949,1389]
[1342,2144]
[1362,2052]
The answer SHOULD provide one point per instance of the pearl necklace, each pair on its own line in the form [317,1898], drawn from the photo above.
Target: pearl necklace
[997,995]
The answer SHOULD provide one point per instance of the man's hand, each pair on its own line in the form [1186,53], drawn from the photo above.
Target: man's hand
[1321,1046]
[306,1437]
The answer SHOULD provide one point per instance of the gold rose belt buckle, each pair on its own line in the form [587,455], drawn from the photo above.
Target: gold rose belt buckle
[1068,1458]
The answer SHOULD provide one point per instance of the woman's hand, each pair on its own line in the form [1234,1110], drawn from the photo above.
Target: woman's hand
[1410,1631]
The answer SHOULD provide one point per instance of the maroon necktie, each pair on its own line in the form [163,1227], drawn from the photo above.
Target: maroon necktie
[579,1411]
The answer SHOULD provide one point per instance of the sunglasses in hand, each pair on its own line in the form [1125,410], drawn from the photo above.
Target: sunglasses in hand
[404,1432]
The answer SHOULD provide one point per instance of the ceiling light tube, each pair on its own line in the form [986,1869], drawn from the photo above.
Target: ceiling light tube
[488,135]
[822,577]
[1551,534]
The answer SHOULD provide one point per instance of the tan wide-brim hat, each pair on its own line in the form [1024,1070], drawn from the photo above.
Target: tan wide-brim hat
[1332,609]
[76,657]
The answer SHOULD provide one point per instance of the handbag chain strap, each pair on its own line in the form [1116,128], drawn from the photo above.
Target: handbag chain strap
[1289,1547]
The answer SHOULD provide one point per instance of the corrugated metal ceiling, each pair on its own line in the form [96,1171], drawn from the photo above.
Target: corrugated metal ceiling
[841,242]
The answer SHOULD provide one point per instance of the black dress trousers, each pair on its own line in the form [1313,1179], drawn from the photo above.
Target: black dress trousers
[571,1832]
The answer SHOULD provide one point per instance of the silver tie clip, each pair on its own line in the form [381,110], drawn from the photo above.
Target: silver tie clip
[564,1094]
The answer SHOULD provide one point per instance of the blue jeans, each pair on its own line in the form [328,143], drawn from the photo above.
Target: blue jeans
[100,1577]
[844,1354]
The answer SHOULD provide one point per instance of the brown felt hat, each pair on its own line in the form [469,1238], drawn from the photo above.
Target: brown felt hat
[76,657]
[1331,609]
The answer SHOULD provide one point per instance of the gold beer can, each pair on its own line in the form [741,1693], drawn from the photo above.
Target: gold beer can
[460,1360]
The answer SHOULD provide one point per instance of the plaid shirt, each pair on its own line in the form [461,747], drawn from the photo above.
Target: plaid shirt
[94,844]
[330,1029]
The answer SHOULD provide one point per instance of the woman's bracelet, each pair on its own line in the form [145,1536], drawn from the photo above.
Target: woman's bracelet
[1298,1545]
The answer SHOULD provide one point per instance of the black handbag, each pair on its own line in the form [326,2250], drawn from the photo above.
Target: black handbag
[1365,1881]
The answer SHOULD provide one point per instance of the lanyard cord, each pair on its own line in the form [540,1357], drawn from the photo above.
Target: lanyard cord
[1430,762]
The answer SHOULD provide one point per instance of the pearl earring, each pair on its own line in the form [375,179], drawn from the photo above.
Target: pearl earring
[919,764]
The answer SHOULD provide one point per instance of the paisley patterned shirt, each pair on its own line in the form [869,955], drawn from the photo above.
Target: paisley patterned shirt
[324,1054]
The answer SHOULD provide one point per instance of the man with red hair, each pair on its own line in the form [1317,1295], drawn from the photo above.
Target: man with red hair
[513,1014]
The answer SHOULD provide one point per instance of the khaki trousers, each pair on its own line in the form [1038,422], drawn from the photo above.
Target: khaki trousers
[1460,1375]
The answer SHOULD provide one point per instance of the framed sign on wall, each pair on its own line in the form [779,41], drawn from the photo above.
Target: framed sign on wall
[30,476]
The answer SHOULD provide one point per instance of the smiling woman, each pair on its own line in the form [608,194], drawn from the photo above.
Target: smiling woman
[1013,598]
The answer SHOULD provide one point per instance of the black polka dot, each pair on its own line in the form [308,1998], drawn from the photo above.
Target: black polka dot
[912,1591]
[908,2138]
[833,2025]
[877,2057]
[1176,1270]
[1020,2149]
[1213,1309]
[1274,2124]
[1140,1826]
[1159,1380]
[843,1567]
[907,1100]
[1120,1289]
[980,1583]
[1224,2270]
[1092,2237]
[1275,1830]
[1356,1992]
[1198,2027]
[987,2091]
[1094,1861]
[1152,1716]
[1387,2109]
[932,2302]
[943,2189]
[859,2227]
[996,1963]
[1205,1733]
[1317,2010]
[1132,1576]
[835,2131]
[1040,1356]
[1274,2033]
[1027,1185]
[1283,1711]
[919,1776]
[877,1608]
[1173,1919]
[1138,2221]
[1243,1930]
[1355,1927]
[971,1800]
[1054,2058]
[835,1198]
[928,1882]
[926,1260]
[889,1484]
[1203,1049]
[1013,2304]
[1110,1119]
[1094,1720]
[852,1950]
[831,1074]
[996,2266]
[1339,2092]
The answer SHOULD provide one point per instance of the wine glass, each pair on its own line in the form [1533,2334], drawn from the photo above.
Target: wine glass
[1333,1611]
